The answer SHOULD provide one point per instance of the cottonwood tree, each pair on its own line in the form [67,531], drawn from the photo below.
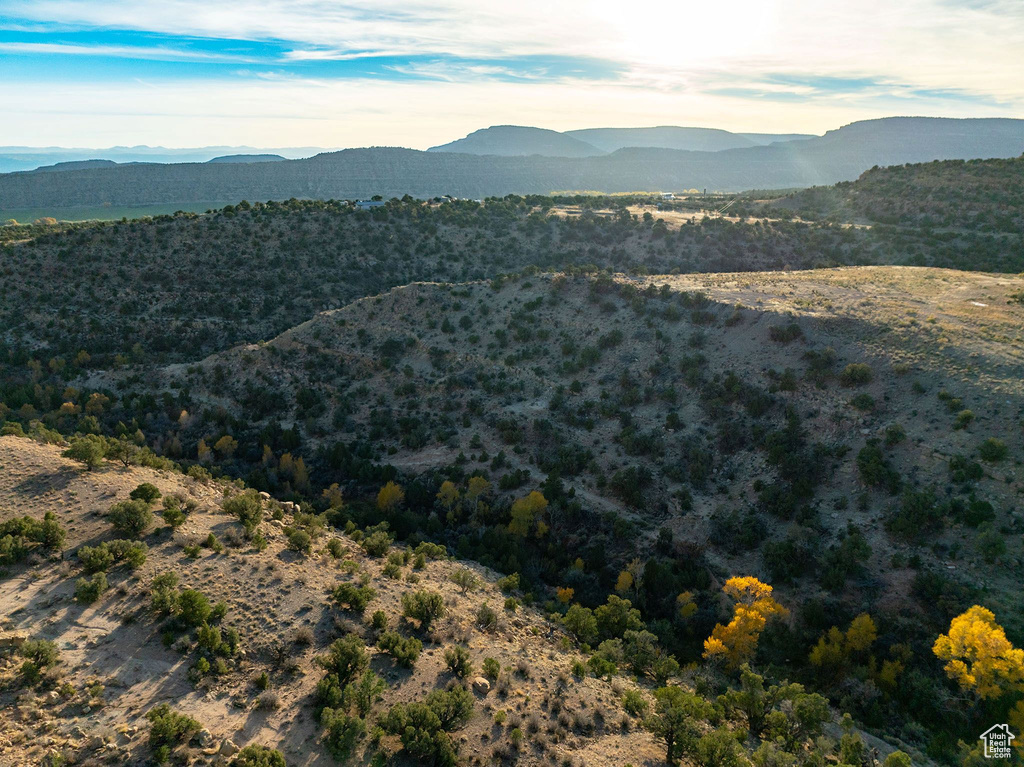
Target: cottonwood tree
[736,642]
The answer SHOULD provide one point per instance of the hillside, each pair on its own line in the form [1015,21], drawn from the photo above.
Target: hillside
[178,299]
[851,436]
[839,155]
[613,399]
[682,429]
[119,660]
[983,195]
[519,141]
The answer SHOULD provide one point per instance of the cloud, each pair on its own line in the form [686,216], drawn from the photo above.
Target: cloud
[417,72]
[119,51]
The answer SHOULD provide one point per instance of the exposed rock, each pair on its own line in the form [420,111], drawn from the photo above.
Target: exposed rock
[9,641]
[204,738]
[228,747]
[481,686]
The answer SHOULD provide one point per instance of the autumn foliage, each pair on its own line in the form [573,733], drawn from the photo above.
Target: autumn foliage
[979,656]
[736,642]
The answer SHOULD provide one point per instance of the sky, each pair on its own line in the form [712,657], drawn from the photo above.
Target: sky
[416,73]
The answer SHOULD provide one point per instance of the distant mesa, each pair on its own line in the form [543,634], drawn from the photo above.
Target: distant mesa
[248,158]
[519,141]
[675,137]
[74,165]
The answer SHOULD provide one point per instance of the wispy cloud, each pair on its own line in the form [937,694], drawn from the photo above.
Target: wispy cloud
[119,51]
[802,65]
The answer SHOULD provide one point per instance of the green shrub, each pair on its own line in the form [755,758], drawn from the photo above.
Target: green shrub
[88,590]
[894,434]
[38,654]
[345,658]
[100,558]
[875,470]
[376,544]
[353,597]
[405,650]
[193,607]
[21,535]
[785,333]
[863,401]
[341,731]
[963,419]
[424,606]
[255,755]
[465,579]
[634,703]
[174,516]
[90,449]
[95,559]
[491,668]
[856,374]
[963,469]
[509,583]
[335,548]
[299,540]
[130,518]
[164,593]
[423,727]
[917,515]
[993,450]
[145,492]
[169,729]
[247,507]
[458,662]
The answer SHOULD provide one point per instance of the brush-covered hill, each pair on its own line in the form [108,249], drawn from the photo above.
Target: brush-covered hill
[852,436]
[982,195]
[248,672]
[156,618]
[173,288]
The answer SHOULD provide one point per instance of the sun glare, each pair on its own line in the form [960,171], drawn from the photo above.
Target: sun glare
[671,35]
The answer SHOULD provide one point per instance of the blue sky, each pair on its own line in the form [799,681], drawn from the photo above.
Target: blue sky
[420,72]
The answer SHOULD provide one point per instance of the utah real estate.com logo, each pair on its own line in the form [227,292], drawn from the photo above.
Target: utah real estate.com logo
[998,742]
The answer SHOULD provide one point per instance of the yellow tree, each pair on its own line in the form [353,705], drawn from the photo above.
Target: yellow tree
[448,496]
[736,642]
[861,633]
[686,605]
[301,475]
[390,496]
[978,655]
[525,511]
[226,446]
[625,582]
[334,497]
[477,490]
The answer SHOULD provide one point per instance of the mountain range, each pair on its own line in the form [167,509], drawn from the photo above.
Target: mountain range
[20,158]
[517,140]
[839,155]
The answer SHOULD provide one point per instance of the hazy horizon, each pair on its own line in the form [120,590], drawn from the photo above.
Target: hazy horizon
[79,73]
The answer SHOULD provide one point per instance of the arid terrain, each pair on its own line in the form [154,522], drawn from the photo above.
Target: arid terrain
[577,481]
